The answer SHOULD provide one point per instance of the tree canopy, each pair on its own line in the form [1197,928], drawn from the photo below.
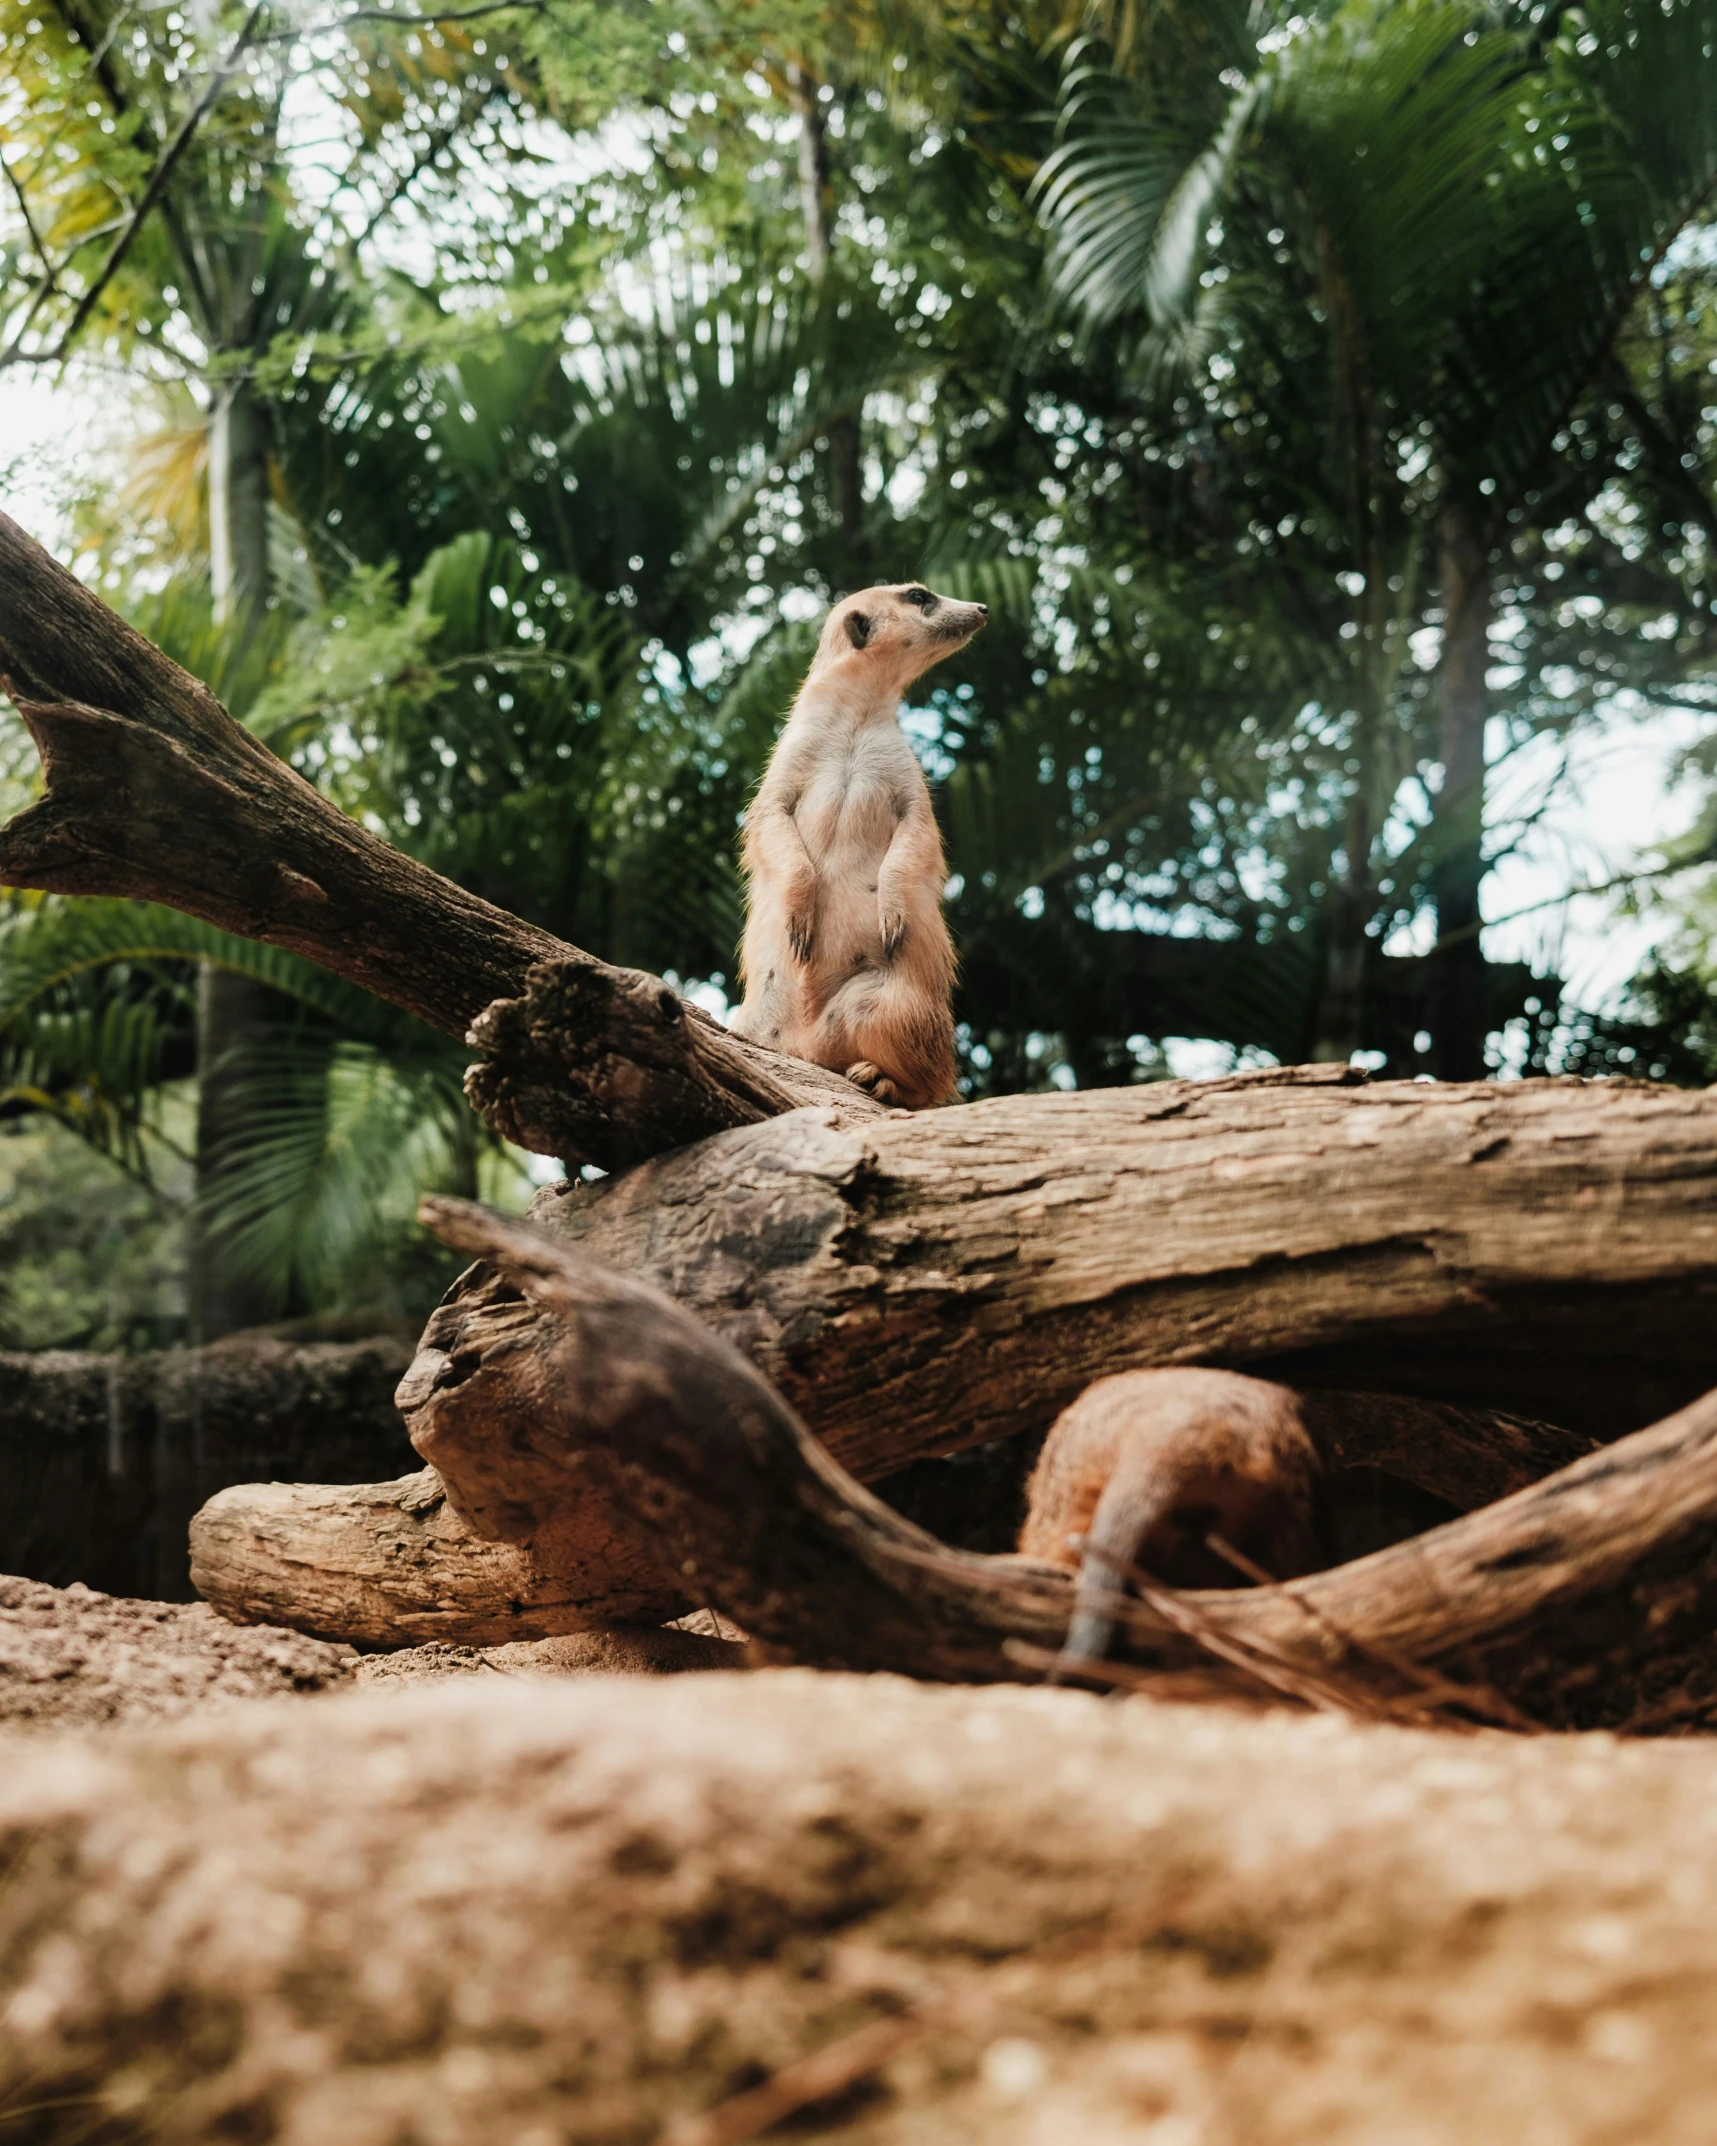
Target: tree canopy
[1320,401]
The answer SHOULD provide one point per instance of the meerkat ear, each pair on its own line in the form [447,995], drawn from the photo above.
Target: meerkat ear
[860,625]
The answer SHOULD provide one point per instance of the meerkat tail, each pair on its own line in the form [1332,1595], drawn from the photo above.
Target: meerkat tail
[1134,1499]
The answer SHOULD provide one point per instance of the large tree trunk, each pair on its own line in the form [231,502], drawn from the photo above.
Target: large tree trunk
[1464,702]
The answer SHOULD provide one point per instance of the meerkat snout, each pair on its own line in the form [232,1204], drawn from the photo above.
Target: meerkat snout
[847,960]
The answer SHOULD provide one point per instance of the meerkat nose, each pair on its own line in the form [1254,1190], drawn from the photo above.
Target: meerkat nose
[983,610]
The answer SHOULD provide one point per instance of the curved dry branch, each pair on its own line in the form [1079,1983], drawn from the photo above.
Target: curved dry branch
[154,792]
[732,1496]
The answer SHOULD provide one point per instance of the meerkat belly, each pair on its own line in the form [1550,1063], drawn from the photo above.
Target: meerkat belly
[847,827]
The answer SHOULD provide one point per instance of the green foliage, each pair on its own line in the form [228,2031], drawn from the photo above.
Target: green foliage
[1167,332]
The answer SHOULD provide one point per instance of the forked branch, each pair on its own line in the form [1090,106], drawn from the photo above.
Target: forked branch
[152,791]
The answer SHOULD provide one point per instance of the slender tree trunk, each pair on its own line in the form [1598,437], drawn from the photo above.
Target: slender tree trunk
[1341,1009]
[1459,1004]
[232,1011]
[238,507]
[844,456]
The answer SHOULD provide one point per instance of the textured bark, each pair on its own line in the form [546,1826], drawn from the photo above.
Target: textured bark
[384,1565]
[612,1066]
[153,791]
[388,1565]
[731,1496]
[104,1458]
[933,1282]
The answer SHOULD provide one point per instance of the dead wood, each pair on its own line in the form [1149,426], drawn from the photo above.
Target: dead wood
[927,1283]
[735,1499]
[388,1565]
[154,792]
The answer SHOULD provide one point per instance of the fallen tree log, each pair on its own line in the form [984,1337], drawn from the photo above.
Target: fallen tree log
[387,1565]
[917,1284]
[932,1282]
[154,792]
[733,1498]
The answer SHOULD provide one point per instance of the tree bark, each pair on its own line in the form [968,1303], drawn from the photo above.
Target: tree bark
[389,1565]
[1464,701]
[234,1013]
[733,1497]
[238,504]
[236,1017]
[153,792]
[933,1282]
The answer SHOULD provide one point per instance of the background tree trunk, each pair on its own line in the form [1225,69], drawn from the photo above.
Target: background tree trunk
[235,1014]
[1459,1013]
[843,459]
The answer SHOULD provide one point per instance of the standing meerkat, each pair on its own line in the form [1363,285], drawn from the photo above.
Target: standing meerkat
[847,961]
[1147,1465]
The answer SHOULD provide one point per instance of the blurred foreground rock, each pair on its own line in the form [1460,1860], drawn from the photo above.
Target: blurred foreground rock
[529,1915]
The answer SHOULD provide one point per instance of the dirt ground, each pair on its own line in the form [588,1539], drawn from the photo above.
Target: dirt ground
[504,1910]
[72,1658]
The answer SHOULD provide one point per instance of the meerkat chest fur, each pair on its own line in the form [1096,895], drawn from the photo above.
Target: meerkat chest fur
[851,780]
[846,960]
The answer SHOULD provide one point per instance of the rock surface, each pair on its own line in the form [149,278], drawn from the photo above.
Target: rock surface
[532,1915]
[620,1653]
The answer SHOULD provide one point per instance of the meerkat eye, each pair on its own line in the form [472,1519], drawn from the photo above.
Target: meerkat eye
[860,625]
[921,599]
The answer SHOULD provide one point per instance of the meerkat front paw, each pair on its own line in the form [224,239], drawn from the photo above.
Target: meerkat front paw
[802,920]
[893,924]
[864,1075]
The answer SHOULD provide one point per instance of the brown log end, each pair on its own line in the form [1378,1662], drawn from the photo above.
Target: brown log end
[386,1565]
[610,1066]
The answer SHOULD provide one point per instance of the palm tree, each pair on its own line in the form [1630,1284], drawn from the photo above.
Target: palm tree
[1474,200]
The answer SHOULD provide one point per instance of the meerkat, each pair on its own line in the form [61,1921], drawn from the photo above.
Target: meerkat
[846,959]
[1146,1466]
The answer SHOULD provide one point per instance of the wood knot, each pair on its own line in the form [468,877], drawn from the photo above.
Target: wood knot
[300,886]
[669,1007]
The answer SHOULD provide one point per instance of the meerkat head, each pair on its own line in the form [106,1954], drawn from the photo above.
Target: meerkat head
[891,636]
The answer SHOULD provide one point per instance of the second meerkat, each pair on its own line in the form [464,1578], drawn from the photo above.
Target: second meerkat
[847,961]
[1147,1465]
